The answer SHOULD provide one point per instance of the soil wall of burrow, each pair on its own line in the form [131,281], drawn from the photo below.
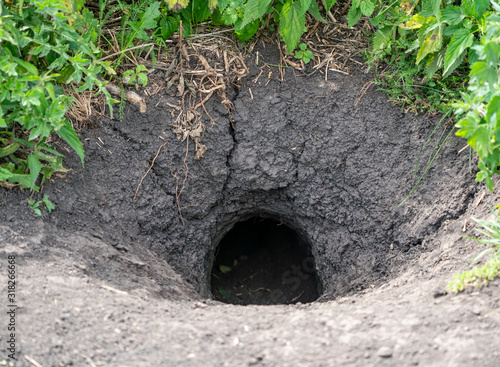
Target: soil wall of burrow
[329,161]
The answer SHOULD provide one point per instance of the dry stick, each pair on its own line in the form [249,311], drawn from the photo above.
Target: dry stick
[88,360]
[150,167]
[204,108]
[32,361]
[128,49]
[281,61]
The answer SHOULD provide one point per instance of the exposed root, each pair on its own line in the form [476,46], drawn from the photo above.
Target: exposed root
[149,169]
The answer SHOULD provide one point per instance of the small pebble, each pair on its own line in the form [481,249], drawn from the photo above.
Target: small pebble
[385,352]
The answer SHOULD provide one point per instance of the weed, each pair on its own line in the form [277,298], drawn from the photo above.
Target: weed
[304,54]
[247,15]
[137,76]
[480,123]
[45,202]
[480,275]
[39,50]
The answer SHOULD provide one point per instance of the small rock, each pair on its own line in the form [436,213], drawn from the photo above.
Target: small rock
[476,310]
[385,352]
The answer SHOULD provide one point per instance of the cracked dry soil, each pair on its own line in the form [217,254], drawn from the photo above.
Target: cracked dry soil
[106,280]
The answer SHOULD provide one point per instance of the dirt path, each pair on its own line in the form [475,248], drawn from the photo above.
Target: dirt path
[109,281]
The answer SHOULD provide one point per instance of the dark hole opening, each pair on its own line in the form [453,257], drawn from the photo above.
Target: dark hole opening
[262,261]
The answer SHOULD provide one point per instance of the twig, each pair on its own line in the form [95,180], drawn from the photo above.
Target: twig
[114,290]
[88,360]
[32,361]
[150,167]
[128,49]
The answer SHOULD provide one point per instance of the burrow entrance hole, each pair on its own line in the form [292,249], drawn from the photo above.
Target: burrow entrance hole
[263,261]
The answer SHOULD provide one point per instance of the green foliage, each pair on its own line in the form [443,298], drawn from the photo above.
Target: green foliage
[441,34]
[40,49]
[137,76]
[247,15]
[478,276]
[480,109]
[45,202]
[491,269]
[304,54]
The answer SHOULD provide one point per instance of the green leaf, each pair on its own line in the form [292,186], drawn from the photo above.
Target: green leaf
[42,129]
[9,149]
[35,167]
[493,112]
[477,133]
[491,53]
[314,11]
[458,61]
[168,26]
[305,5]
[147,21]
[308,56]
[223,292]
[30,68]
[434,63]
[4,174]
[176,5]
[481,7]
[367,7]
[461,40]
[415,22]
[436,6]
[68,134]
[24,179]
[355,4]
[254,9]
[483,73]
[48,204]
[230,16]
[225,269]
[381,38]
[452,15]
[212,5]
[431,43]
[353,16]
[292,23]
[143,79]
[248,31]
[329,4]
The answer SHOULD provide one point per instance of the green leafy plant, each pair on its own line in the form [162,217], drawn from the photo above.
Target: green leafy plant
[45,202]
[480,109]
[137,76]
[480,275]
[304,54]
[247,15]
[359,8]
[39,51]
[441,36]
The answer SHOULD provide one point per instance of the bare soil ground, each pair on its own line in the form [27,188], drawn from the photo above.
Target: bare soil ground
[106,280]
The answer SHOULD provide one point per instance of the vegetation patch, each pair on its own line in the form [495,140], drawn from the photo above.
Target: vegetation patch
[480,275]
